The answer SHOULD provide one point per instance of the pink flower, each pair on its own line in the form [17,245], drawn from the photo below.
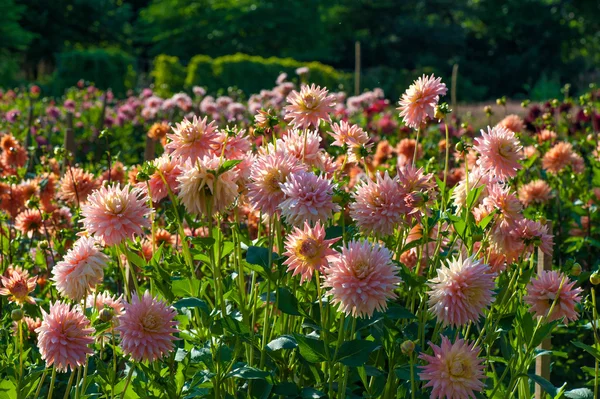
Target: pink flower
[420,99]
[81,269]
[266,176]
[309,107]
[170,171]
[454,371]
[304,146]
[76,185]
[353,138]
[203,190]
[514,123]
[500,152]
[106,300]
[64,336]
[535,192]
[192,140]
[551,286]
[147,328]
[379,206]
[308,198]
[362,278]
[114,214]
[533,234]
[477,178]
[461,291]
[308,250]
[18,285]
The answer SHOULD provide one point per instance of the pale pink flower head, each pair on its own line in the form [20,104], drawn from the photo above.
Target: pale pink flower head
[535,192]
[461,291]
[29,222]
[304,146]
[500,152]
[232,144]
[18,285]
[204,190]
[147,328]
[104,299]
[266,176]
[64,336]
[534,234]
[362,278]
[81,269]
[551,286]
[454,371]
[308,251]
[308,107]
[114,213]
[514,123]
[308,198]
[353,138]
[477,178]
[500,198]
[419,101]
[192,139]
[379,205]
[170,170]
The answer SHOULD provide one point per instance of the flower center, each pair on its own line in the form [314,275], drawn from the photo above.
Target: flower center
[115,204]
[361,270]
[150,322]
[310,101]
[457,369]
[19,289]
[505,149]
[309,248]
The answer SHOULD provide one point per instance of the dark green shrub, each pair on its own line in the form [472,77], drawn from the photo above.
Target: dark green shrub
[200,72]
[168,75]
[106,68]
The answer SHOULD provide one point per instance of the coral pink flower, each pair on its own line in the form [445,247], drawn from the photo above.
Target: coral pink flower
[29,222]
[379,206]
[353,138]
[461,291]
[192,140]
[76,185]
[205,191]
[419,101]
[114,214]
[454,371]
[266,176]
[64,336]
[362,278]
[308,251]
[560,157]
[170,170]
[505,202]
[147,328]
[406,151]
[514,123]
[106,300]
[18,285]
[81,269]
[500,152]
[304,146]
[31,324]
[308,198]
[477,178]
[534,233]
[548,288]
[309,107]
[535,192]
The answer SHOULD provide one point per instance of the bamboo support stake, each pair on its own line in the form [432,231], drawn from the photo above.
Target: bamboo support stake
[453,90]
[356,68]
[542,363]
[69,138]
[149,152]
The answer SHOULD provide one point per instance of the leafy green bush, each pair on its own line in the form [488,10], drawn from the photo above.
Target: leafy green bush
[168,74]
[200,71]
[107,68]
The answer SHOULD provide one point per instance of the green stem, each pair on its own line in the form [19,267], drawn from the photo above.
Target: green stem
[68,390]
[128,380]
[52,382]
[39,387]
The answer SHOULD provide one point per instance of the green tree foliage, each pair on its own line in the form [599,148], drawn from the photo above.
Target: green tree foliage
[13,39]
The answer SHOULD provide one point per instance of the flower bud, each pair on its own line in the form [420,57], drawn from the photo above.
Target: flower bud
[407,347]
[17,314]
[576,269]
[44,245]
[106,315]
[595,278]
[488,110]
[460,146]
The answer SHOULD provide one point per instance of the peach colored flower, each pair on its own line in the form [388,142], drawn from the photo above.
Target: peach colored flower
[309,106]
[535,192]
[76,185]
[420,99]
[550,287]
[514,123]
[500,152]
[191,140]
[17,285]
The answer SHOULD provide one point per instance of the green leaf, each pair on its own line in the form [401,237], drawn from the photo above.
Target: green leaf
[242,370]
[545,384]
[185,287]
[283,342]
[542,333]
[180,355]
[398,312]
[192,303]
[233,326]
[260,256]
[403,372]
[8,390]
[228,165]
[591,350]
[313,350]
[312,393]
[355,353]
[287,302]
[580,393]
[204,242]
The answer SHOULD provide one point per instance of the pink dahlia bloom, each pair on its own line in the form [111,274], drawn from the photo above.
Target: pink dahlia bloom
[500,152]
[192,140]
[379,205]
[362,278]
[535,192]
[454,371]
[461,291]
[81,269]
[546,289]
[114,214]
[420,99]
[104,299]
[477,178]
[308,198]
[64,336]
[17,285]
[534,234]
[308,251]
[170,170]
[309,107]
[304,146]
[353,138]
[203,190]
[266,176]
[147,328]
[514,123]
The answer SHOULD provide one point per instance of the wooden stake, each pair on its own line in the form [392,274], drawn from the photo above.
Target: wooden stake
[356,68]
[453,90]
[149,153]
[542,363]
[69,138]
